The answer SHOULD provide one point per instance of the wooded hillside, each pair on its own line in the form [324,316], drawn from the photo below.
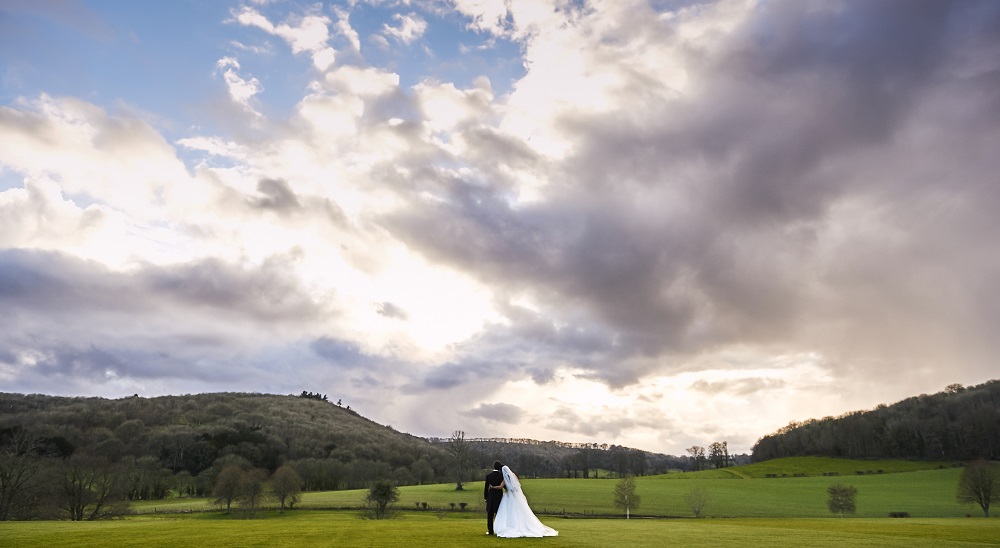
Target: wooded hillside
[189,433]
[960,423]
[150,448]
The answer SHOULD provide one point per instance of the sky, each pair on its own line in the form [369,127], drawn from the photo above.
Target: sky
[649,223]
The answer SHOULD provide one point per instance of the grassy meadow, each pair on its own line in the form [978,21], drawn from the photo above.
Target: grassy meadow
[414,529]
[781,502]
[924,489]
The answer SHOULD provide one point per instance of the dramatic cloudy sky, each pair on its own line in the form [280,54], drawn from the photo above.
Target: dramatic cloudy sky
[656,223]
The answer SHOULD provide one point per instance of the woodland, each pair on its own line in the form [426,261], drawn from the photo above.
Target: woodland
[88,458]
[57,451]
[960,423]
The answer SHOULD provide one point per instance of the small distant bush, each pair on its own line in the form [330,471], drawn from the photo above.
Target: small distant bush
[899,514]
[842,499]
[696,499]
[381,495]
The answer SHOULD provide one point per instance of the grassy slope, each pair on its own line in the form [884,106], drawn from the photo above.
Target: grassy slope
[413,530]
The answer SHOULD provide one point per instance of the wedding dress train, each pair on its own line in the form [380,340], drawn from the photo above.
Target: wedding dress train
[515,518]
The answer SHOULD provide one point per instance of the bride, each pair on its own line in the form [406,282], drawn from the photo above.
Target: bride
[515,518]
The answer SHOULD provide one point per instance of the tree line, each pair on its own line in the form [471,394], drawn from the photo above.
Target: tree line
[552,459]
[957,424]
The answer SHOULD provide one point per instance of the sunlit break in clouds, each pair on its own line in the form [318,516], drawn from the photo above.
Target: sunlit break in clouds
[648,223]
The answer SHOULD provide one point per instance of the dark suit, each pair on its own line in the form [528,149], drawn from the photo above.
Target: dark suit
[492,497]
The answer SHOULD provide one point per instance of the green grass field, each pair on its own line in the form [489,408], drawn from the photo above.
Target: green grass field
[814,466]
[778,503]
[419,529]
[923,489]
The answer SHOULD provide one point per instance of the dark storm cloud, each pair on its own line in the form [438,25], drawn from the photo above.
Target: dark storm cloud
[85,363]
[267,293]
[71,318]
[42,282]
[342,354]
[722,217]
[448,376]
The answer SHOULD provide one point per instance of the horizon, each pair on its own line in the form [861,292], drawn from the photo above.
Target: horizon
[652,223]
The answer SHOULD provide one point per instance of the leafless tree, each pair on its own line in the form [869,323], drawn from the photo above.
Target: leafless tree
[459,449]
[980,484]
[696,500]
[92,488]
[19,465]
[227,485]
[286,484]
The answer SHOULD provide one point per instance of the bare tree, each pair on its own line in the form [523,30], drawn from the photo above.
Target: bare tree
[459,449]
[227,485]
[286,484]
[91,488]
[19,465]
[696,500]
[625,495]
[980,484]
[251,490]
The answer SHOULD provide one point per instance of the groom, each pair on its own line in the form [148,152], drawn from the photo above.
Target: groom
[492,493]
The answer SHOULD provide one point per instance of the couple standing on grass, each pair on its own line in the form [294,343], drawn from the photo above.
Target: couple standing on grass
[509,516]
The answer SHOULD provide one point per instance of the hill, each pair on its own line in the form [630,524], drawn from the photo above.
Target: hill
[331,446]
[957,424]
[187,434]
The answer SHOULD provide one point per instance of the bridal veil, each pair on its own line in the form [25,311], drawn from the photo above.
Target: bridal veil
[515,518]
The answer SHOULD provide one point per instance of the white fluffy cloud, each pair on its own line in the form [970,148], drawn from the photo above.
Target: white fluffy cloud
[308,33]
[409,28]
[117,161]
[241,90]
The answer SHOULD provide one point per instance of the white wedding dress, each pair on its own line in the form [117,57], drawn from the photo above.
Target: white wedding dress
[515,518]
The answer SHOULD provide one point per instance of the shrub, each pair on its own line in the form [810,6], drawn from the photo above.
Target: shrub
[842,498]
[381,495]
